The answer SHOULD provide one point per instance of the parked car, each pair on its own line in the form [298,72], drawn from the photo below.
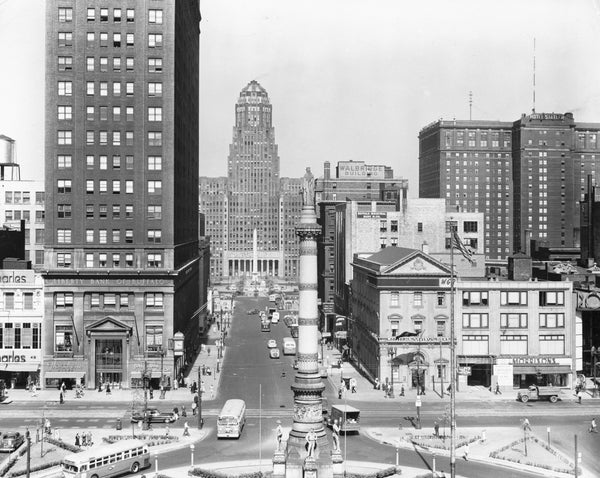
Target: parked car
[253,311]
[274,353]
[11,441]
[154,416]
[272,344]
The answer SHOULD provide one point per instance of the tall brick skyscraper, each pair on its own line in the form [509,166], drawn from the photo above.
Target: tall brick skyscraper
[121,245]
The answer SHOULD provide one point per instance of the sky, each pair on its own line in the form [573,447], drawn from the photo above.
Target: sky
[348,79]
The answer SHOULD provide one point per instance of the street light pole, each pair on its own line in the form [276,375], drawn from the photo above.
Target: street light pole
[392,354]
[199,399]
[441,370]
[594,352]
[418,405]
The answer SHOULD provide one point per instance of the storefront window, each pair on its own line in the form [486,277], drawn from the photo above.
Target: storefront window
[63,341]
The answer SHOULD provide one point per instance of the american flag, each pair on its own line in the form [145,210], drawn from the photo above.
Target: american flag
[457,243]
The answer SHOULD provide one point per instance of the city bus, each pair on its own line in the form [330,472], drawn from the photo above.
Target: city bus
[104,461]
[232,418]
[289,346]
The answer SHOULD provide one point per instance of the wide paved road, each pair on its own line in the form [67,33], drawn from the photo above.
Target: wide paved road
[248,371]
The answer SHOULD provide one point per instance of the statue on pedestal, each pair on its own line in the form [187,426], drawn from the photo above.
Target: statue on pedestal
[336,436]
[308,189]
[279,434]
[311,443]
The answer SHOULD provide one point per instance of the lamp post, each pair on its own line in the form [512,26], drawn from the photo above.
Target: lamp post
[192,455]
[391,354]
[199,399]
[418,405]
[594,351]
[441,371]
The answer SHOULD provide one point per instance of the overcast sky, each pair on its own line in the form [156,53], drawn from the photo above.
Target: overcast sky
[348,79]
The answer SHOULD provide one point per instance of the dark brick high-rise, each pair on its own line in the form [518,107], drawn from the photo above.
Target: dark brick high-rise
[121,246]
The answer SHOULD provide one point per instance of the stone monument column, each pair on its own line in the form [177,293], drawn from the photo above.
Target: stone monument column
[307,386]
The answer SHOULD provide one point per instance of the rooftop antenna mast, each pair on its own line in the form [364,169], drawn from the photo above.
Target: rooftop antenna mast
[533,110]
[470,105]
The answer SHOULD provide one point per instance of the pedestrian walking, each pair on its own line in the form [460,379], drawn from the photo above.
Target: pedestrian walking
[183,412]
[340,392]
[436,429]
[89,439]
[579,396]
[402,391]
[63,388]
[186,430]
[194,385]
[151,393]
[108,392]
[526,424]
[83,439]
[593,428]
[194,407]
[167,431]
[466,452]
[377,386]
[353,385]
[497,391]
[77,442]
[61,399]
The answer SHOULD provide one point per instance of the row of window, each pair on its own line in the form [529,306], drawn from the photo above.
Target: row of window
[513,320]
[65,113]
[107,300]
[545,298]
[513,345]
[25,215]
[10,304]
[65,137]
[65,186]
[116,259]
[64,336]
[15,335]
[65,161]
[101,211]
[22,197]
[155,16]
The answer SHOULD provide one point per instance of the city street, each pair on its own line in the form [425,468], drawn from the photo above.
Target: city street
[247,371]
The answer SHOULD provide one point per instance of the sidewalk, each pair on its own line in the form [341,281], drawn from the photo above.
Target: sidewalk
[174,397]
[366,392]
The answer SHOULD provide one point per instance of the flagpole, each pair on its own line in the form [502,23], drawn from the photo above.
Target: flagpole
[452,365]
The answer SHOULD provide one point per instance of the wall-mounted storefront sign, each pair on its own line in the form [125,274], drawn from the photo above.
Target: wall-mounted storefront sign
[107,282]
[17,276]
[534,361]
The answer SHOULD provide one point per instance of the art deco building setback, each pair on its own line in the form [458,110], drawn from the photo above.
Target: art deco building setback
[526,176]
[121,243]
[21,313]
[253,197]
[513,333]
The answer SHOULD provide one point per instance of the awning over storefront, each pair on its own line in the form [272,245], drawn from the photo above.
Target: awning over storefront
[64,374]
[529,370]
[19,367]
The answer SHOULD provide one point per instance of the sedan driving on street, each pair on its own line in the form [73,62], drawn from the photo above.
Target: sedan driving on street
[154,416]
[274,353]
[272,344]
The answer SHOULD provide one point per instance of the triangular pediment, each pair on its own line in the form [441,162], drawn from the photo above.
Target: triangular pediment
[109,324]
[417,264]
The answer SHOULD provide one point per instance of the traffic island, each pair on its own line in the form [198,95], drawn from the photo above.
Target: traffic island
[535,453]
[47,456]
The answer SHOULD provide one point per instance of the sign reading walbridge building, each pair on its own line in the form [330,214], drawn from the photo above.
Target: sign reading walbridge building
[358,169]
